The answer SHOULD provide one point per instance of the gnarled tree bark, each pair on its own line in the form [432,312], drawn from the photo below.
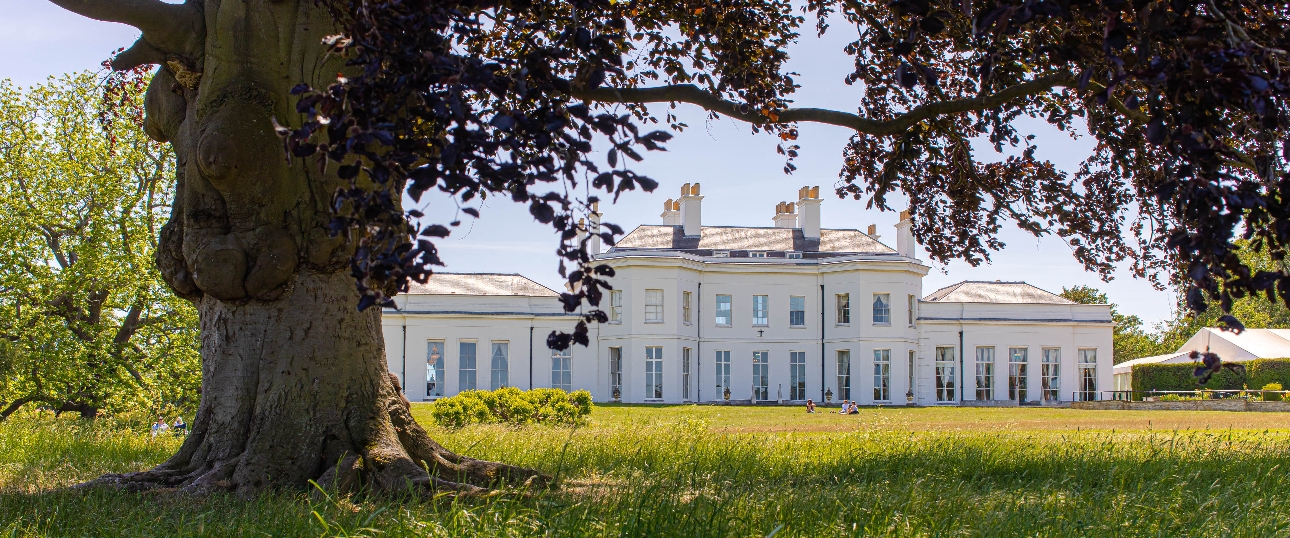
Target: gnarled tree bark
[294,380]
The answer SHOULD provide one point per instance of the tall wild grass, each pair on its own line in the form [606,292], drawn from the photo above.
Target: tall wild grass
[669,472]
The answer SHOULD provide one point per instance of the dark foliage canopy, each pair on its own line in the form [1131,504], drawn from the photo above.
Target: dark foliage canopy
[1184,98]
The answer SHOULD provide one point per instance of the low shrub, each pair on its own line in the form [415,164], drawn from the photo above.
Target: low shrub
[1272,397]
[510,405]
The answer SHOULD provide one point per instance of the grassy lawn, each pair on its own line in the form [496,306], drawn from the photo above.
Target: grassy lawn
[733,471]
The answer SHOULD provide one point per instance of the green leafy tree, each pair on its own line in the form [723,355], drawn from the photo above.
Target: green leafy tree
[1131,339]
[88,324]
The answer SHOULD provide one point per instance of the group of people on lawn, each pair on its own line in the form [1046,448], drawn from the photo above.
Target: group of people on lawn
[159,427]
[848,407]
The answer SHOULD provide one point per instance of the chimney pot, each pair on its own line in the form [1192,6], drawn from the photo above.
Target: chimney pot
[815,191]
[685,189]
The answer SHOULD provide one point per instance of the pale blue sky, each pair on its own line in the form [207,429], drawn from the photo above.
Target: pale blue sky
[740,172]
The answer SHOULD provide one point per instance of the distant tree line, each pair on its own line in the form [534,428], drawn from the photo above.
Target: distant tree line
[86,324]
[1134,339]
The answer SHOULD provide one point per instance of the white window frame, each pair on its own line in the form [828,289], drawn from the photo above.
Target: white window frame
[946,382]
[882,375]
[435,368]
[756,254]
[729,310]
[722,362]
[616,371]
[562,369]
[721,254]
[844,309]
[616,306]
[1018,373]
[793,255]
[761,366]
[653,306]
[1050,378]
[1086,372]
[913,308]
[797,376]
[686,298]
[467,377]
[984,373]
[653,373]
[686,354]
[882,309]
[844,374]
[791,311]
[763,309]
[499,377]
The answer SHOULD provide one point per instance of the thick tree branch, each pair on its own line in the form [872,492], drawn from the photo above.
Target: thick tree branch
[13,406]
[689,93]
[167,28]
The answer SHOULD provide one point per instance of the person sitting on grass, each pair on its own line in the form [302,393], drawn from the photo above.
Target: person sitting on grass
[853,409]
[159,427]
[810,406]
[843,410]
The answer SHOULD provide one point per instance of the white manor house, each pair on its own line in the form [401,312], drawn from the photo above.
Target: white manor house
[780,313]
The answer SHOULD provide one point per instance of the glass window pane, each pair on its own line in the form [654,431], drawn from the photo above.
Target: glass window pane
[797,375]
[616,305]
[723,310]
[1017,359]
[797,311]
[466,366]
[844,374]
[761,375]
[434,370]
[761,310]
[500,365]
[882,375]
[984,373]
[1050,374]
[561,369]
[654,373]
[944,371]
[882,308]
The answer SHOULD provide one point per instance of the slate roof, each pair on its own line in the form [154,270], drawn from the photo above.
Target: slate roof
[970,291]
[503,284]
[664,237]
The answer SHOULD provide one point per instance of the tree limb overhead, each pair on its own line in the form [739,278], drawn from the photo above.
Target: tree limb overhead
[689,93]
[167,28]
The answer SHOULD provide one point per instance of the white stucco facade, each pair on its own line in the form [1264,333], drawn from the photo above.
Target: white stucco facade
[801,313]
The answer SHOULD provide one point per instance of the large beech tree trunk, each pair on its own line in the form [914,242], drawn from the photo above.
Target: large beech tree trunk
[294,380]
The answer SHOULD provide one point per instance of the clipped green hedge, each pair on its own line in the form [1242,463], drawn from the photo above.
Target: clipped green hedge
[513,406]
[1258,372]
[1264,371]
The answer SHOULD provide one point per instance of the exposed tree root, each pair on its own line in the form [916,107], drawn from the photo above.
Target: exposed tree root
[407,461]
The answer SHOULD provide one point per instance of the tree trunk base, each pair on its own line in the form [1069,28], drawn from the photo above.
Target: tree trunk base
[428,469]
[296,395]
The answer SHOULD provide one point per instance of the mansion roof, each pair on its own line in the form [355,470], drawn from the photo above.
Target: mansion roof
[971,291]
[733,238]
[503,284]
